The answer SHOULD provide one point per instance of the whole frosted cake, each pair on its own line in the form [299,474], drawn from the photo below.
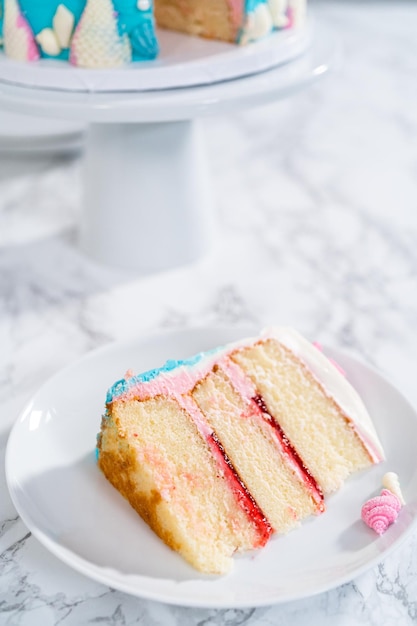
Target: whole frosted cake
[220,451]
[111,33]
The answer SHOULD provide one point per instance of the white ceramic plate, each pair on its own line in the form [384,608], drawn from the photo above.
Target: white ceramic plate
[70,507]
[184,61]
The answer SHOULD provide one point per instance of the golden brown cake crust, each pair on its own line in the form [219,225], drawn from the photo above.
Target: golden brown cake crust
[152,452]
[119,468]
[211,18]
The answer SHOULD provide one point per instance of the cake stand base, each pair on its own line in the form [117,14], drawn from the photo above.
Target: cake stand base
[147,200]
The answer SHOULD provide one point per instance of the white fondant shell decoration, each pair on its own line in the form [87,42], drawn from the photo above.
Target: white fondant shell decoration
[380,512]
[19,40]
[297,12]
[278,10]
[391,482]
[144,5]
[258,24]
[63,23]
[48,42]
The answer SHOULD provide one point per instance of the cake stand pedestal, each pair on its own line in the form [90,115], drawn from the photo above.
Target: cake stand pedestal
[147,197]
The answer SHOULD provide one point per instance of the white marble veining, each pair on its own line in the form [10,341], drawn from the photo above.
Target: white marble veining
[316,228]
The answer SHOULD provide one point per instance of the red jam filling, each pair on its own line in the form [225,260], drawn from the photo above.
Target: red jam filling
[291,452]
[243,495]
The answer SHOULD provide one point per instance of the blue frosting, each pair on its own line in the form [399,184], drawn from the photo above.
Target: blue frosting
[40,14]
[250,5]
[123,385]
[137,24]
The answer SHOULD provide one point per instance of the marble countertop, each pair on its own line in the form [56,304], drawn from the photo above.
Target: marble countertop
[316,228]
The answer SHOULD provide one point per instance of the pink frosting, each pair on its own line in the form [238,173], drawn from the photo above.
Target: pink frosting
[382,511]
[236,12]
[291,17]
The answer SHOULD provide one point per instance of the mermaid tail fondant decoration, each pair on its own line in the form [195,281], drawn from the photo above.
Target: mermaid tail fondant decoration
[97,42]
[19,40]
[144,42]
[137,21]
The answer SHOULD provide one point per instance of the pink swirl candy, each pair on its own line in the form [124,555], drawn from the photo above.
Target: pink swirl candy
[379,512]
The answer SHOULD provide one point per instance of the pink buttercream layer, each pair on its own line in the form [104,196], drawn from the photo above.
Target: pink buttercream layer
[32,52]
[380,512]
[178,382]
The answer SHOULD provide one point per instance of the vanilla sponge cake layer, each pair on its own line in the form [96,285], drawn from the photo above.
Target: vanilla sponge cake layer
[210,19]
[153,454]
[251,445]
[322,434]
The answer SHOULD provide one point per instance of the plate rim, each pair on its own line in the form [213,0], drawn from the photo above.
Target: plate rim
[127,582]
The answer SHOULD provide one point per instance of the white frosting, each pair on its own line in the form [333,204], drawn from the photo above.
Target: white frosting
[334,383]
[63,23]
[144,5]
[298,10]
[258,24]
[278,10]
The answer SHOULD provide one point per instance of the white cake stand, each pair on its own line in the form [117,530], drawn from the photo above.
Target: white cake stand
[147,197]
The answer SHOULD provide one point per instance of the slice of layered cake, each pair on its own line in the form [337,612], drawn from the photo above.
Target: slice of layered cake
[220,451]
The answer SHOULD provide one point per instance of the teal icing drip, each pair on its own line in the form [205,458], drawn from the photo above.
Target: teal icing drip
[40,13]
[64,56]
[250,5]
[139,26]
[124,385]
